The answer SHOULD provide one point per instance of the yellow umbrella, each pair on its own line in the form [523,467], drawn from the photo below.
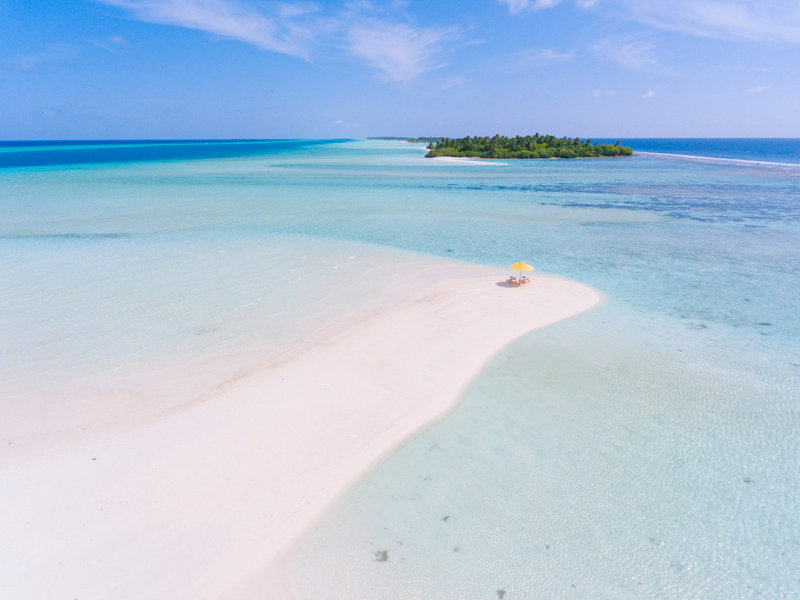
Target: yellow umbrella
[521,266]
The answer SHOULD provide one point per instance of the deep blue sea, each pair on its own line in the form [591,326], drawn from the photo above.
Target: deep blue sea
[777,150]
[646,449]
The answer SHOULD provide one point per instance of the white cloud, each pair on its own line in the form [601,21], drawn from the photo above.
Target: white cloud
[536,57]
[21,65]
[759,89]
[110,42]
[399,51]
[604,93]
[648,94]
[38,61]
[550,55]
[283,32]
[749,68]
[765,20]
[452,82]
[634,52]
[517,6]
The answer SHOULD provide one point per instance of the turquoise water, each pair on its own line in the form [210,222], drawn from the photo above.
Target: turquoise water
[76,152]
[647,449]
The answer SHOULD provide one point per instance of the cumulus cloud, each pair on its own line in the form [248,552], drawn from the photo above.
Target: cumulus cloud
[759,89]
[648,94]
[400,52]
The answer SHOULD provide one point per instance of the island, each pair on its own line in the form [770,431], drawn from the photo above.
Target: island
[529,146]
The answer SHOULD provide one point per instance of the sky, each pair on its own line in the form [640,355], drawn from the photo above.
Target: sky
[160,69]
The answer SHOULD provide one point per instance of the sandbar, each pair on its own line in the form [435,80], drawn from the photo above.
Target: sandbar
[199,502]
[468,160]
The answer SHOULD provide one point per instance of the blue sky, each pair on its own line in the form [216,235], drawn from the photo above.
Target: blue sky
[92,69]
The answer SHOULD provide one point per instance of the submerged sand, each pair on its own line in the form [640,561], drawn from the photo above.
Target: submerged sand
[198,502]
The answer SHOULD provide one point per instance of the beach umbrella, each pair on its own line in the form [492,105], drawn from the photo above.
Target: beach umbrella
[521,266]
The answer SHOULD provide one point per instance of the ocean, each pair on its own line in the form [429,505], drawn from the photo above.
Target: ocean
[646,449]
[773,150]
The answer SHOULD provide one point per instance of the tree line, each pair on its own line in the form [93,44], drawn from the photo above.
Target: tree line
[529,146]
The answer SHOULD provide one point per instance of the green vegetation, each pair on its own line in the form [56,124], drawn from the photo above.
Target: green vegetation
[529,146]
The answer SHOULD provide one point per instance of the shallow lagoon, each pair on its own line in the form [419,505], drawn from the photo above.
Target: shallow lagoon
[645,450]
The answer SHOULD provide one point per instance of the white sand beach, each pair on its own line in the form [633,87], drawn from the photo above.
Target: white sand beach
[466,160]
[197,502]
